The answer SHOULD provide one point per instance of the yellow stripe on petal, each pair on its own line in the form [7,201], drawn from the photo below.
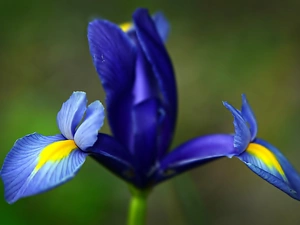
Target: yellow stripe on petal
[125,26]
[266,156]
[55,152]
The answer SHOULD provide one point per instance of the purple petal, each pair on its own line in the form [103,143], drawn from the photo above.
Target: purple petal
[38,163]
[158,57]
[87,132]
[249,116]
[268,162]
[165,133]
[145,134]
[71,114]
[162,25]
[114,156]
[194,153]
[242,134]
[145,84]
[114,57]
[120,119]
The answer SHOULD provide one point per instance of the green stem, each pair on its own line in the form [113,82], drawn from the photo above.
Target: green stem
[138,207]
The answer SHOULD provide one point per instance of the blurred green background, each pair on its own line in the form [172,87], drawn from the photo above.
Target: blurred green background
[220,49]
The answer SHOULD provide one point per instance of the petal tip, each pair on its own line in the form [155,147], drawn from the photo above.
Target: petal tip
[141,10]
[78,93]
[242,135]
[244,99]
[249,116]
[225,103]
[229,107]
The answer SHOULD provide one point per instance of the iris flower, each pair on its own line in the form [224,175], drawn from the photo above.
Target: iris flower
[141,100]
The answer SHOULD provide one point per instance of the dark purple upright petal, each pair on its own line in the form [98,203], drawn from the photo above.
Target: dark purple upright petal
[114,156]
[158,57]
[194,153]
[145,114]
[145,84]
[114,57]
[148,104]
[165,133]
[145,132]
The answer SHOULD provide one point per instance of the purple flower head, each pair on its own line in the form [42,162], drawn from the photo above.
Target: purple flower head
[138,78]
[137,75]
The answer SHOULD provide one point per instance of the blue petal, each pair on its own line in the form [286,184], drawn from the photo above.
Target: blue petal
[165,136]
[32,167]
[242,134]
[249,116]
[158,57]
[114,156]
[162,25]
[87,132]
[71,114]
[145,84]
[268,162]
[114,57]
[194,153]
[145,134]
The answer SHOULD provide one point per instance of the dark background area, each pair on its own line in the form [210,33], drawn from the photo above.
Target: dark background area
[220,49]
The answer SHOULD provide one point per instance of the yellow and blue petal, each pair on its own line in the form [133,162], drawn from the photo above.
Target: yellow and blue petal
[269,163]
[37,163]
[242,136]
[71,113]
[249,116]
[87,133]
